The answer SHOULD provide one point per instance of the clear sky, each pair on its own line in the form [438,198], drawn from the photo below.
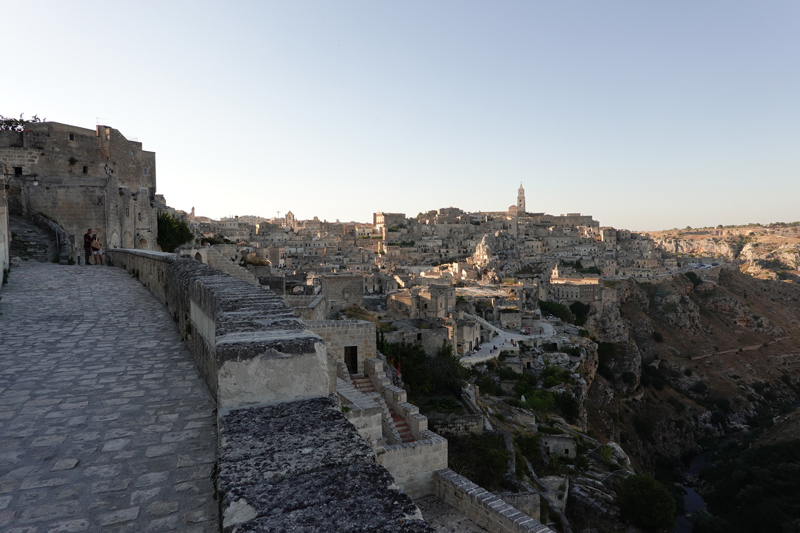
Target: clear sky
[647,115]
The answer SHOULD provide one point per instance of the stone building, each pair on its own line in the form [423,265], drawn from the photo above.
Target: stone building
[82,178]
[341,290]
[465,333]
[381,219]
[434,301]
[351,342]
[558,445]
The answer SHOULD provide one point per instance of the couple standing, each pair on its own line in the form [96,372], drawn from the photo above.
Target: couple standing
[92,246]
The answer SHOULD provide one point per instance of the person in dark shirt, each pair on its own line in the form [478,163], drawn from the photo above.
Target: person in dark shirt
[87,245]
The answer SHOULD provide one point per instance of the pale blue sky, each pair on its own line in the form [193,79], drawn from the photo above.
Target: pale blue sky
[645,115]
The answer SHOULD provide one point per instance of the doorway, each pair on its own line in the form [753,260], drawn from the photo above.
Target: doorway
[351,359]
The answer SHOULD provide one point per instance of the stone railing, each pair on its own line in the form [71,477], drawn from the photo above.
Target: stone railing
[281,439]
[482,507]
[244,340]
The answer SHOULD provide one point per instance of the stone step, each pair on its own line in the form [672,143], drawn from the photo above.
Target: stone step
[29,241]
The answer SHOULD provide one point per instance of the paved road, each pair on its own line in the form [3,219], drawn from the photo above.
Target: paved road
[105,424]
[491,349]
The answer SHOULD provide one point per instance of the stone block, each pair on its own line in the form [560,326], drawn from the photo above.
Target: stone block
[360,497]
[267,444]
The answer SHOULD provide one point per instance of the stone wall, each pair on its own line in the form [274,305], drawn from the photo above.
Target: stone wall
[413,464]
[342,290]
[511,320]
[300,466]
[339,334]
[455,424]
[529,503]
[5,233]
[309,308]
[482,507]
[244,340]
[293,462]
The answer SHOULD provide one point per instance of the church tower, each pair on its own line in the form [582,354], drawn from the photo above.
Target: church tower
[520,200]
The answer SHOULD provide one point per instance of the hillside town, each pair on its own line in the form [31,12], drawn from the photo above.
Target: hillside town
[437,332]
[495,264]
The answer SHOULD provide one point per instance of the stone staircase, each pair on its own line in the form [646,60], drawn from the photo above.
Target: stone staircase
[29,241]
[364,385]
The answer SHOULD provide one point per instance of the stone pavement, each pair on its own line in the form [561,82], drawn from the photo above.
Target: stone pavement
[105,425]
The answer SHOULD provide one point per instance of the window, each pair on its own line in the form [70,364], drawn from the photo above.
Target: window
[566,452]
[71,136]
[419,336]
[140,216]
[144,171]
[85,170]
[18,171]
[133,153]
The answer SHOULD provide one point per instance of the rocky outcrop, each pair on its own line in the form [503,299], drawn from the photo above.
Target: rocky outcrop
[708,247]
[743,316]
[605,323]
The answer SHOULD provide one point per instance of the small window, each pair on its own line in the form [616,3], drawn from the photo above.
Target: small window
[419,336]
[18,171]
[127,212]
[566,452]
[133,152]
[85,170]
[140,216]
[71,136]
[144,171]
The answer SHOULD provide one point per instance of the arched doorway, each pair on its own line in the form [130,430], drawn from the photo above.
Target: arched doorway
[198,257]
[142,244]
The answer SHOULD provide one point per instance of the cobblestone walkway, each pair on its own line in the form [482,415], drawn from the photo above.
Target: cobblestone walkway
[105,425]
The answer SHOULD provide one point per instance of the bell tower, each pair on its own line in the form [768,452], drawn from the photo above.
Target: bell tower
[520,200]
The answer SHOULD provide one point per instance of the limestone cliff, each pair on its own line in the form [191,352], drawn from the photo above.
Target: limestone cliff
[682,362]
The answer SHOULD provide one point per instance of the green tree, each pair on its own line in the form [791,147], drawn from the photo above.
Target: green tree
[172,232]
[580,310]
[645,503]
[17,124]
[557,310]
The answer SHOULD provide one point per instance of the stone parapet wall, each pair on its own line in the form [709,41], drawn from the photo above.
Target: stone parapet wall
[244,340]
[413,464]
[482,507]
[293,462]
[300,466]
